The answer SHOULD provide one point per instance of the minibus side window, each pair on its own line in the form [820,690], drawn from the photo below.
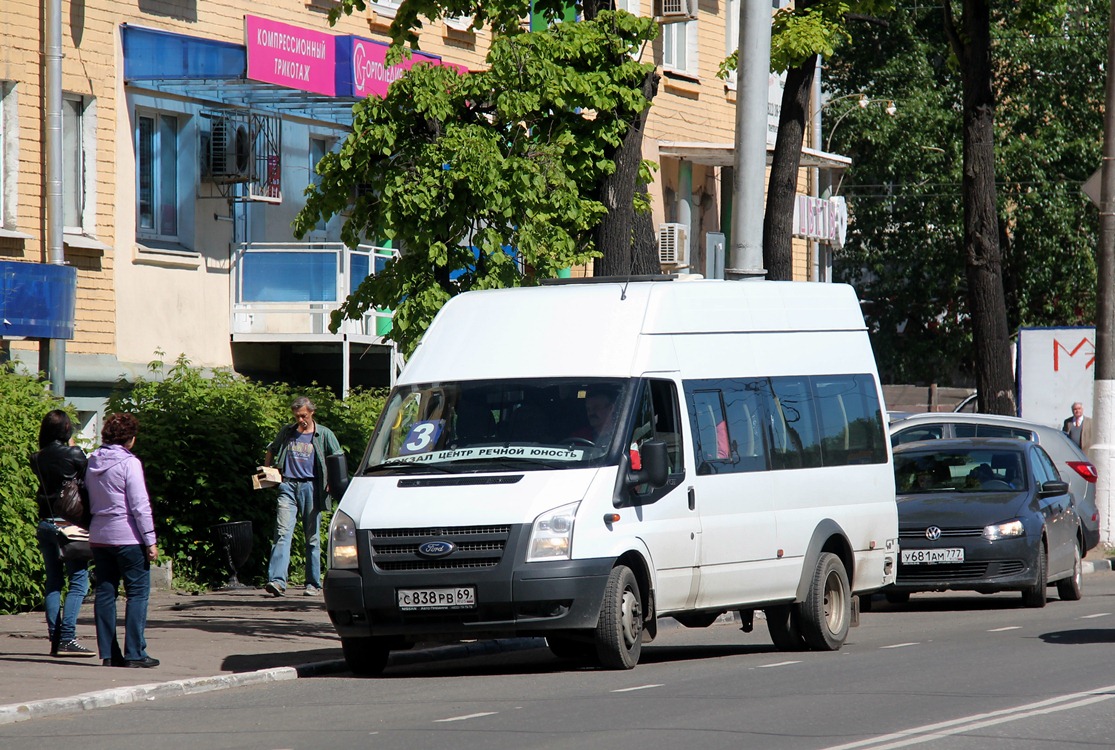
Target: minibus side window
[793,425]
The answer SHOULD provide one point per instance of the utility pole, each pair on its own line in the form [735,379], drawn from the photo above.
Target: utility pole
[1104,395]
[752,80]
[52,352]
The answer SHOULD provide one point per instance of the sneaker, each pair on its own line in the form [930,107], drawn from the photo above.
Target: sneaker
[145,663]
[312,590]
[72,648]
[274,588]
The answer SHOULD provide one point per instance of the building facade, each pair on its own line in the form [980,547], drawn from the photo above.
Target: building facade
[189,130]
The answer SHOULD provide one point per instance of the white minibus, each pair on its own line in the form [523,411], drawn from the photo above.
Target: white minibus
[578,460]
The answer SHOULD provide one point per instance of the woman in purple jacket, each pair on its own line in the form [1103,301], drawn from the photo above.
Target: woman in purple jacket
[122,536]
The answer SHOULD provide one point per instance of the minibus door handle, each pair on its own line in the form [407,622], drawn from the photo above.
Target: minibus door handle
[692,499]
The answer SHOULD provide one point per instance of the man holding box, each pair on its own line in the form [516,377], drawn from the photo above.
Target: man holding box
[299,451]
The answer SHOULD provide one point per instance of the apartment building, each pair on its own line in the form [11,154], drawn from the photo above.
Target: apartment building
[189,130]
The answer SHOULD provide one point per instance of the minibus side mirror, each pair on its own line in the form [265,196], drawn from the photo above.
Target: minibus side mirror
[337,468]
[655,465]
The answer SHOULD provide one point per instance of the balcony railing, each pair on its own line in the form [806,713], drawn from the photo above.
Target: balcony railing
[287,291]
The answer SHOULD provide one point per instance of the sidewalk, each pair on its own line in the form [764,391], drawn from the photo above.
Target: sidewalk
[221,634]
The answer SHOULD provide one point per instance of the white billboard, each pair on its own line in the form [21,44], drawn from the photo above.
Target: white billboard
[1055,367]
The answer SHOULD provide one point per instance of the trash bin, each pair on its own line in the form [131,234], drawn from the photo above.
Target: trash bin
[236,539]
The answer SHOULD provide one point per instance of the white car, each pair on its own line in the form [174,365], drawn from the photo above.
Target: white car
[1072,463]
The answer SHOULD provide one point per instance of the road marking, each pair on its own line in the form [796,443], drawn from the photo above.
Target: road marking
[941,730]
[1003,630]
[637,687]
[1092,617]
[900,645]
[466,717]
[777,664]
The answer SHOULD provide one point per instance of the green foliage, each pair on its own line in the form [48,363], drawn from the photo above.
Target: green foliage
[808,29]
[201,438]
[459,169]
[905,249]
[24,401]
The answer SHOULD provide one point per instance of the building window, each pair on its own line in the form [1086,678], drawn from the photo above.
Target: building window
[157,175]
[386,8]
[731,36]
[634,7]
[73,164]
[319,147]
[8,155]
[679,47]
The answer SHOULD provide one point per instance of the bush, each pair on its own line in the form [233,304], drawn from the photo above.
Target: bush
[23,403]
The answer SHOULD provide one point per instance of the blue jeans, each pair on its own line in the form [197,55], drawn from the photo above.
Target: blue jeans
[57,573]
[296,500]
[127,562]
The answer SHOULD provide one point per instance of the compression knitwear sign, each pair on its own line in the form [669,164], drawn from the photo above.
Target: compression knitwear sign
[362,68]
[291,56]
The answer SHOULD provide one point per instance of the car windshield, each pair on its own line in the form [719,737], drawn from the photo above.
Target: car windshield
[494,425]
[959,470]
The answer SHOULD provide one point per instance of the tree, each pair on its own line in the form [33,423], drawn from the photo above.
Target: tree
[495,177]
[798,36]
[905,251]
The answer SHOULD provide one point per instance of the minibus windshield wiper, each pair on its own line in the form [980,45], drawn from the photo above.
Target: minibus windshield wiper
[408,467]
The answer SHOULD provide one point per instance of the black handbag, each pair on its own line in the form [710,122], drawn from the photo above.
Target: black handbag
[73,542]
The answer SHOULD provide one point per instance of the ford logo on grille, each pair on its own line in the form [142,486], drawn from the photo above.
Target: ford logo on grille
[436,549]
[933,533]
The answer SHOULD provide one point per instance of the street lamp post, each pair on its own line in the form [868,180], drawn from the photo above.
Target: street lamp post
[863,103]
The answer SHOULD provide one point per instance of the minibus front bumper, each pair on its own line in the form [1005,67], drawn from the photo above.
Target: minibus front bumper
[531,599]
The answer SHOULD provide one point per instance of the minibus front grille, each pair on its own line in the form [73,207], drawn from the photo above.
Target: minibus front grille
[397,550]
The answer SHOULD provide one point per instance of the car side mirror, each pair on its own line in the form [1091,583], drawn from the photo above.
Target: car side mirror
[655,465]
[337,468]
[1054,487]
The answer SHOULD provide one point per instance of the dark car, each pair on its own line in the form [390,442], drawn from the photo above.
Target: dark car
[1073,463]
[987,515]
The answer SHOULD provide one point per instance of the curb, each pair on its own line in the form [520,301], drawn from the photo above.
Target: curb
[16,712]
[1095,566]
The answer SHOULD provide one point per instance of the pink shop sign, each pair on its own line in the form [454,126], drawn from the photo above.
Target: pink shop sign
[291,56]
[362,70]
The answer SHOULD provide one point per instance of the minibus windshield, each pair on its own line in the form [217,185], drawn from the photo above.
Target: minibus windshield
[497,425]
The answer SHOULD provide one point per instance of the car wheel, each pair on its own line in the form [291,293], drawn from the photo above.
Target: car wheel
[366,657]
[826,613]
[1035,596]
[1070,589]
[619,631]
[784,626]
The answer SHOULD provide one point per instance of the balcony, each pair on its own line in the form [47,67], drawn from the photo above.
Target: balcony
[285,292]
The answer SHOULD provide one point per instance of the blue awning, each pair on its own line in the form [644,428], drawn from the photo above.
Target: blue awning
[215,73]
[37,300]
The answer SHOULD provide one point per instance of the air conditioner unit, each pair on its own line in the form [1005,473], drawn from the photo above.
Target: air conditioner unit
[673,244]
[675,11]
[230,151]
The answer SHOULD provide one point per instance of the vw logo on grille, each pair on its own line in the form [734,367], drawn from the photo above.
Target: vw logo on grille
[436,549]
[933,533]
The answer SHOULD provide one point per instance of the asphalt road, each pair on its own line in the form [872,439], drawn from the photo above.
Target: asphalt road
[945,671]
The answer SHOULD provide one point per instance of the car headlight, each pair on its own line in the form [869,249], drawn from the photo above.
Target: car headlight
[551,537]
[342,542]
[1003,530]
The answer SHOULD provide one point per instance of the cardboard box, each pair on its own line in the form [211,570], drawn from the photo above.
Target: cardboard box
[267,476]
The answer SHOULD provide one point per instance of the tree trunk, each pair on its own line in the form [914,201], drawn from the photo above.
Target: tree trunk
[627,238]
[986,300]
[778,224]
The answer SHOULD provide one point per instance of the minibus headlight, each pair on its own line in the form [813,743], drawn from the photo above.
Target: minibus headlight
[342,542]
[551,537]
[1003,530]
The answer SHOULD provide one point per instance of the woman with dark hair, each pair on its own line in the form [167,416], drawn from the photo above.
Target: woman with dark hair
[122,536]
[57,460]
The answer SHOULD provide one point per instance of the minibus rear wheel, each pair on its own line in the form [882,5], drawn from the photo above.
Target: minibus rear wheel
[619,631]
[366,657]
[826,613]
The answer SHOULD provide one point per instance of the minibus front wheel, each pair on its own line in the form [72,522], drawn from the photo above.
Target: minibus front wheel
[619,631]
